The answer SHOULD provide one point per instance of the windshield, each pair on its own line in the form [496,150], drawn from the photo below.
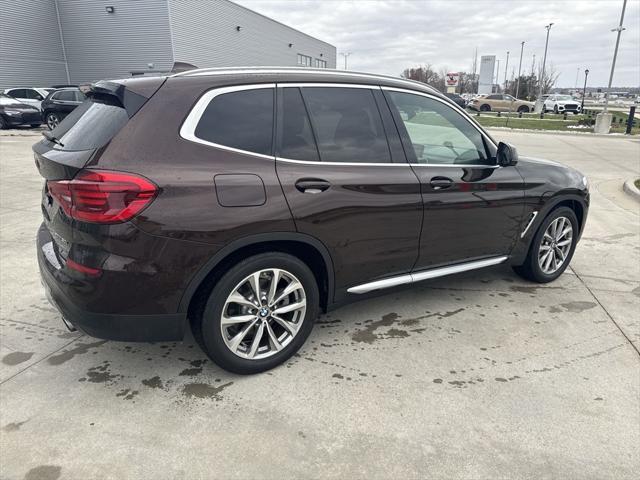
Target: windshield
[564,97]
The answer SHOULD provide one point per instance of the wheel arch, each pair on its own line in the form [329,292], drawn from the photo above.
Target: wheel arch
[305,247]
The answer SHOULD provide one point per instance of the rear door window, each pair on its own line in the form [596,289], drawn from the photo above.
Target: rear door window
[65,96]
[91,125]
[241,120]
[296,139]
[347,124]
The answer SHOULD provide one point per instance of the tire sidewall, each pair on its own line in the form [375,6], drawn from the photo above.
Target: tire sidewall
[537,272]
[210,322]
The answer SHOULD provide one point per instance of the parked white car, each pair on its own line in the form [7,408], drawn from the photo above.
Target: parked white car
[29,95]
[561,104]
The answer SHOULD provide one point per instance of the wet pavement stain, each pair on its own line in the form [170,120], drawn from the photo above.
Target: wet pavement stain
[101,374]
[79,349]
[204,390]
[44,472]
[153,382]
[337,375]
[14,426]
[15,358]
[127,394]
[195,370]
[577,307]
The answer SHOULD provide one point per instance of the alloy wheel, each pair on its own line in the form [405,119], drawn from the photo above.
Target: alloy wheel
[263,314]
[555,245]
[52,121]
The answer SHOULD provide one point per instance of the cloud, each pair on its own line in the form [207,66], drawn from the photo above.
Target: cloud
[389,36]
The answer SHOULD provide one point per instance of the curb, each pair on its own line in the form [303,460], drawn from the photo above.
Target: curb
[631,189]
[560,132]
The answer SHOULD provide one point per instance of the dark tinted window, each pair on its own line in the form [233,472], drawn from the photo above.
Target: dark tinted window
[18,93]
[296,137]
[494,97]
[91,125]
[65,95]
[33,95]
[80,97]
[347,124]
[242,120]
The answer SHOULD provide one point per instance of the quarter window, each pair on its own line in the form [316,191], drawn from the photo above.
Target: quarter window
[347,124]
[438,133]
[65,96]
[242,120]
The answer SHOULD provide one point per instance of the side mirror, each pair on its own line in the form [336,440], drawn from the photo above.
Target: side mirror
[507,155]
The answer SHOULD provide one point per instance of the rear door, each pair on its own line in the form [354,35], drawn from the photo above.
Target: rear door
[346,183]
[472,207]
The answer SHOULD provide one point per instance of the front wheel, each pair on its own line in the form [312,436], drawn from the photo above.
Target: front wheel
[523,109]
[555,109]
[259,313]
[485,108]
[552,247]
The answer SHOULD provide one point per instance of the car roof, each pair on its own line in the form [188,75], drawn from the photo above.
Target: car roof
[295,74]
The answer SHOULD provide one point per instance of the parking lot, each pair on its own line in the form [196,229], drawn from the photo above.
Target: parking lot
[475,376]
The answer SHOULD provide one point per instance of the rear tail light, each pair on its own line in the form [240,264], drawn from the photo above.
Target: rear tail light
[103,196]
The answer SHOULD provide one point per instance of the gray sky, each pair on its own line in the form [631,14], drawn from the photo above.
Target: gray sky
[388,36]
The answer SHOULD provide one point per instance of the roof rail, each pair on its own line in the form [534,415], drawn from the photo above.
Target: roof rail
[314,71]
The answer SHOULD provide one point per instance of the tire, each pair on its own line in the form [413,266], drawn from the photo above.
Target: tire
[531,269]
[485,108]
[523,109]
[3,123]
[52,120]
[555,109]
[217,340]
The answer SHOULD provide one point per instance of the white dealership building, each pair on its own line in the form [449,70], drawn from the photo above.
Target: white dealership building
[48,42]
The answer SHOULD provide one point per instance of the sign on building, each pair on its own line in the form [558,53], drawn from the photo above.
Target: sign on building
[487,67]
[453,79]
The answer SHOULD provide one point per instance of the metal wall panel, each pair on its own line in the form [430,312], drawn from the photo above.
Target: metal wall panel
[205,34]
[30,45]
[102,45]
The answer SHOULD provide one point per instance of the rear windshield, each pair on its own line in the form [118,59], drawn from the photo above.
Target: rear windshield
[91,125]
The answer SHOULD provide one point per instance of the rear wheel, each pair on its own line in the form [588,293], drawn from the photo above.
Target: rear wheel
[52,120]
[259,313]
[552,247]
[523,109]
[485,108]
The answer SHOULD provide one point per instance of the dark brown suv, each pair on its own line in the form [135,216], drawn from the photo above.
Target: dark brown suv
[242,203]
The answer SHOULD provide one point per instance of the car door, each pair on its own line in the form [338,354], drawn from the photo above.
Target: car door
[346,180]
[64,102]
[472,207]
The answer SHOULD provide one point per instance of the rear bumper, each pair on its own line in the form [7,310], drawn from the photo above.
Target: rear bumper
[109,326]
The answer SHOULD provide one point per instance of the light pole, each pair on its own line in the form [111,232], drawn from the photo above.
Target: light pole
[519,70]
[575,87]
[584,89]
[345,55]
[497,80]
[544,61]
[506,67]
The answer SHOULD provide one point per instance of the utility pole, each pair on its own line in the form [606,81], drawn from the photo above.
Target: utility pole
[345,55]
[577,75]
[497,78]
[584,89]
[506,67]
[519,70]
[603,120]
[544,61]
[474,88]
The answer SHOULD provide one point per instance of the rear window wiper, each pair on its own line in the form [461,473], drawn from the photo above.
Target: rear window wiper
[49,136]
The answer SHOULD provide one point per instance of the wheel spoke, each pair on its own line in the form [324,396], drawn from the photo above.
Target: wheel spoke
[560,254]
[291,327]
[292,287]
[273,340]
[254,282]
[256,340]
[274,285]
[241,300]
[565,232]
[234,320]
[234,343]
[564,242]
[291,307]
[549,260]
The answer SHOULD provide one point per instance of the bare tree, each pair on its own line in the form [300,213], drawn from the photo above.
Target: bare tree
[550,77]
[424,74]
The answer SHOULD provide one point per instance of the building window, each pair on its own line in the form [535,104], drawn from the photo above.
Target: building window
[321,63]
[305,60]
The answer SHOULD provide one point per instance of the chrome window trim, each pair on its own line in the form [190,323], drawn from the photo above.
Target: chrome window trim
[328,85]
[454,165]
[446,103]
[346,164]
[415,277]
[188,128]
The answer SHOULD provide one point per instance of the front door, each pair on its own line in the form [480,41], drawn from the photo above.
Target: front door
[346,183]
[472,207]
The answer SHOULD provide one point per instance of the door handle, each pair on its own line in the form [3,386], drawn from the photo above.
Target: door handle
[312,185]
[441,183]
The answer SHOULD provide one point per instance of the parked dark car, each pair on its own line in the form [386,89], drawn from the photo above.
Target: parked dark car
[457,99]
[14,113]
[265,197]
[59,104]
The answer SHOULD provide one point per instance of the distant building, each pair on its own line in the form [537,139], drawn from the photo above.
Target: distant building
[48,42]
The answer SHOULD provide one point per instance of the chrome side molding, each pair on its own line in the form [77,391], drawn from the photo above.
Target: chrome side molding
[425,275]
[533,217]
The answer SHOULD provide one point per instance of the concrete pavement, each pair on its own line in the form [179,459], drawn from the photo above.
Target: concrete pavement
[481,375]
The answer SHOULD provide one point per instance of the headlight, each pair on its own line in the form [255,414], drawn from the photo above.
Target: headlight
[13,112]
[585,182]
